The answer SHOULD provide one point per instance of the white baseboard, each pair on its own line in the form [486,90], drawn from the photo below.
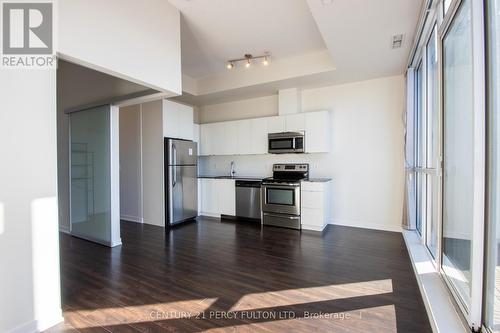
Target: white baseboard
[25,328]
[64,229]
[47,323]
[313,228]
[365,225]
[35,326]
[210,215]
[131,218]
[155,224]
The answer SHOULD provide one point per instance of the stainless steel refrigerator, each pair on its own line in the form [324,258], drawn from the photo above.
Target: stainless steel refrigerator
[181,181]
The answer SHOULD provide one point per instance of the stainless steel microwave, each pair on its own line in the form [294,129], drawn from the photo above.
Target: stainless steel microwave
[286,143]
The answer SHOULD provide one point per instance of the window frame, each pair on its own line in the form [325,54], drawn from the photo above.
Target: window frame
[473,313]
[433,14]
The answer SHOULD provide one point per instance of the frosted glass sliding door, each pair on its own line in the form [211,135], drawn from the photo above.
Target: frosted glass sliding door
[458,184]
[91,174]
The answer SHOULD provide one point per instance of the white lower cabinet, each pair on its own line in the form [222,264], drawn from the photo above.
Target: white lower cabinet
[226,195]
[209,204]
[217,197]
[315,205]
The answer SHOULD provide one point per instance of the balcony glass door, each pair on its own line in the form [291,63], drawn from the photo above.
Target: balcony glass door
[421,149]
[432,140]
[458,151]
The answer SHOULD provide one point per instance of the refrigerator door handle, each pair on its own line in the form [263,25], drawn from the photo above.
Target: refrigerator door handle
[174,155]
[174,178]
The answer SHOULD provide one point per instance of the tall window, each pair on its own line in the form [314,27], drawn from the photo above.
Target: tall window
[432,142]
[458,153]
[420,157]
[492,289]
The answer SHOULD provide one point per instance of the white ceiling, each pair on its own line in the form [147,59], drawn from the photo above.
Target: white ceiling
[355,33]
[358,35]
[214,31]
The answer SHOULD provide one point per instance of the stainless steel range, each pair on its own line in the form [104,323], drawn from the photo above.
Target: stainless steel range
[281,195]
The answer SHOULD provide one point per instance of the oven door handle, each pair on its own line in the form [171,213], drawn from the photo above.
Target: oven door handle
[282,216]
[280,185]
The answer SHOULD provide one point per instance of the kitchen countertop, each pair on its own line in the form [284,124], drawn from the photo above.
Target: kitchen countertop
[317,180]
[312,180]
[237,177]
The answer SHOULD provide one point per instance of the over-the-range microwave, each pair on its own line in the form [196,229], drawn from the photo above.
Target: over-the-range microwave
[286,143]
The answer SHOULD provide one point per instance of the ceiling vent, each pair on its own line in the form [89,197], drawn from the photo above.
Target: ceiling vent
[397,41]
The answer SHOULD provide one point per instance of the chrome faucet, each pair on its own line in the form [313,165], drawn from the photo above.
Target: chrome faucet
[233,171]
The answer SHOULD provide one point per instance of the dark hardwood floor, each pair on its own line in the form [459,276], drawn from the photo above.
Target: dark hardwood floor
[229,276]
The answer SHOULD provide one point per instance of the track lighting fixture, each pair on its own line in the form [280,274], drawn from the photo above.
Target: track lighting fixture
[248,59]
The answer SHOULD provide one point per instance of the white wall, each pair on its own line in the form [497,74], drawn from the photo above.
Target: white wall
[135,40]
[131,163]
[152,164]
[29,240]
[367,157]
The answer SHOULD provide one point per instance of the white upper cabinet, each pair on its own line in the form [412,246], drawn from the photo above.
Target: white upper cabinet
[231,137]
[247,137]
[177,120]
[196,133]
[207,139]
[258,136]
[295,122]
[244,137]
[219,144]
[275,124]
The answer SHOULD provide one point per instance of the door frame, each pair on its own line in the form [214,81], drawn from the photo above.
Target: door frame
[473,313]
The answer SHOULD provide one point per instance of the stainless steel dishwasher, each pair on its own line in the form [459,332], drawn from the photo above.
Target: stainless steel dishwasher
[248,199]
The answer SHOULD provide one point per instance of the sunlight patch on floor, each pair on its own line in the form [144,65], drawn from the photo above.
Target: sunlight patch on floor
[138,313]
[312,294]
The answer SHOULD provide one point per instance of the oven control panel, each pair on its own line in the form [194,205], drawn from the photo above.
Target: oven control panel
[291,167]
